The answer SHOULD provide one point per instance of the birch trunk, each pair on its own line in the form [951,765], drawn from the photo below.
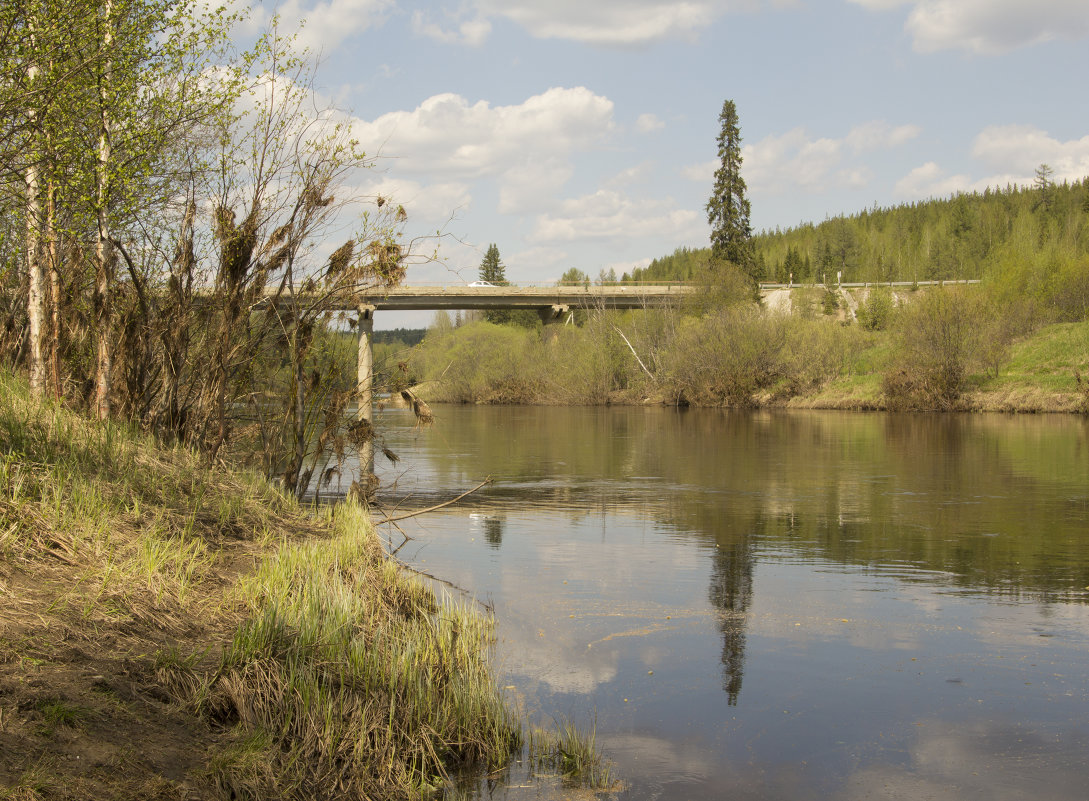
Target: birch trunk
[104,249]
[35,283]
[35,274]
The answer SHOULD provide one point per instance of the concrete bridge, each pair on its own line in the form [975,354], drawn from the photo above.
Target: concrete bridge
[553,303]
[550,301]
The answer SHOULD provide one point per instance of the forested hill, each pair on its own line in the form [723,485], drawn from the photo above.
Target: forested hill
[1019,235]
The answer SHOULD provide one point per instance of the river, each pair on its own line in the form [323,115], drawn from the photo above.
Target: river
[774,605]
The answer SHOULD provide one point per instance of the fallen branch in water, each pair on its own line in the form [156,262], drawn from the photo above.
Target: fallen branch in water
[488,480]
[488,605]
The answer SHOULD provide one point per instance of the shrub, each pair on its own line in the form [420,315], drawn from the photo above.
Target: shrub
[875,312]
[814,352]
[725,358]
[482,363]
[941,338]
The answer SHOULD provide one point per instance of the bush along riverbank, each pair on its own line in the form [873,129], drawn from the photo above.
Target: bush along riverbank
[171,632]
[939,349]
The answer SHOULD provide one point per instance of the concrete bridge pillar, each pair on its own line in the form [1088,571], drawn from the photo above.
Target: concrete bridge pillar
[550,316]
[365,386]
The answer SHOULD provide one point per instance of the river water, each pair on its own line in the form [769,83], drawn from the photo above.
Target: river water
[774,605]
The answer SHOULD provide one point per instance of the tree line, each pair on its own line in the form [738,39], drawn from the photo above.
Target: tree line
[1028,240]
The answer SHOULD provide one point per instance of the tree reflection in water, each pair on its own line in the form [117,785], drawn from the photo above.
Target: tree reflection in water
[731,593]
[493,531]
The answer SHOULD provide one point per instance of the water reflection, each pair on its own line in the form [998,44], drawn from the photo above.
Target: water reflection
[493,531]
[490,526]
[999,761]
[998,503]
[902,597]
[731,592]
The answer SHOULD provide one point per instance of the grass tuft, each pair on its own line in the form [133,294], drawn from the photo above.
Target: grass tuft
[573,753]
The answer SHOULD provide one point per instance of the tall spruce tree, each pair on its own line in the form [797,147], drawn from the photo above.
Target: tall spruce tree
[728,207]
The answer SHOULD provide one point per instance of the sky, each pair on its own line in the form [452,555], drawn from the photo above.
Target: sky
[582,133]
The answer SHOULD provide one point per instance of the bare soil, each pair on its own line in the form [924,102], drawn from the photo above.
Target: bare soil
[82,712]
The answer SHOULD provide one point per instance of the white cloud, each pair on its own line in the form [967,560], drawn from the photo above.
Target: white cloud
[704,171]
[855,178]
[1019,149]
[327,23]
[526,186]
[430,205]
[795,160]
[1009,154]
[880,5]
[473,32]
[607,214]
[646,123]
[989,26]
[880,135]
[601,22]
[930,180]
[776,164]
[631,175]
[527,148]
[447,134]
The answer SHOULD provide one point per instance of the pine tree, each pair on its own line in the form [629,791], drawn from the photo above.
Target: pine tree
[492,269]
[728,207]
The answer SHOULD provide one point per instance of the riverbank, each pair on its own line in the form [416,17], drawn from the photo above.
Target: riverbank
[819,364]
[171,632]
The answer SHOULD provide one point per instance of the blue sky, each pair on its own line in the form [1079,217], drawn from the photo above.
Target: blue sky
[581,133]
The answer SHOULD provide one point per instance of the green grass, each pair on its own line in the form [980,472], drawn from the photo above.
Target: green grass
[1049,359]
[57,712]
[353,674]
[333,672]
[573,752]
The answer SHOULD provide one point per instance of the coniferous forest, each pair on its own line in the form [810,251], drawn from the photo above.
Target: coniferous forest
[1030,242]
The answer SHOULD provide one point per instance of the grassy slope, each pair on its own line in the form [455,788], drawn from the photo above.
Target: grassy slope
[1040,376]
[170,632]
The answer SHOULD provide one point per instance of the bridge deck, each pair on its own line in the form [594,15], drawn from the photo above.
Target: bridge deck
[414,298]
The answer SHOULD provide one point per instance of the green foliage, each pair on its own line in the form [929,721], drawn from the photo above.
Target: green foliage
[942,337]
[683,264]
[830,301]
[482,362]
[346,674]
[876,311]
[741,356]
[574,277]
[401,336]
[492,269]
[571,751]
[494,272]
[1010,237]
[733,355]
[728,206]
